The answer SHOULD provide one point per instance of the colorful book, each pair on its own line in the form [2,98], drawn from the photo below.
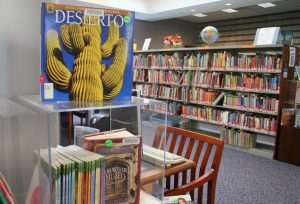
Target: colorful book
[122,151]
[297,118]
[288,117]
[86,53]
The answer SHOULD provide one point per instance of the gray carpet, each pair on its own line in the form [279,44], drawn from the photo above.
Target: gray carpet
[247,178]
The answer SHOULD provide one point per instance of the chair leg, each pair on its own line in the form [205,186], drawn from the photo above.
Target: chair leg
[211,191]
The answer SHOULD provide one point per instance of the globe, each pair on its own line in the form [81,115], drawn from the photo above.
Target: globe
[209,34]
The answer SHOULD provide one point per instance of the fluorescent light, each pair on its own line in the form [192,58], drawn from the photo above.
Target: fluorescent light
[193,10]
[228,4]
[200,15]
[266,5]
[230,10]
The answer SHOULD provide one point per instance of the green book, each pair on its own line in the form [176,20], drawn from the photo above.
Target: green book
[3,199]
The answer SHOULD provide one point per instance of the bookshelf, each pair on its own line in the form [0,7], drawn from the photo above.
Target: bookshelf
[288,144]
[236,88]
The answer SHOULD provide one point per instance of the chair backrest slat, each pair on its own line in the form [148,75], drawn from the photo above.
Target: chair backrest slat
[205,159]
[189,148]
[181,145]
[173,142]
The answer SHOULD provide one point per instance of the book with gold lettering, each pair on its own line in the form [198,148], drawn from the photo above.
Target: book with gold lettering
[122,151]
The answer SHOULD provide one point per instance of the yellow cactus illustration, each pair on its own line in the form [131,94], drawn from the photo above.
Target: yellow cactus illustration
[90,80]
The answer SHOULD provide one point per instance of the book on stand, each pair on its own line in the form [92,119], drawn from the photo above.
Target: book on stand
[122,151]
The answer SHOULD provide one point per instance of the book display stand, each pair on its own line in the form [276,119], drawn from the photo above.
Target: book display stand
[63,171]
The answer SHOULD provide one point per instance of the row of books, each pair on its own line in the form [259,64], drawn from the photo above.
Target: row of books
[201,60]
[163,92]
[252,102]
[236,119]
[215,60]
[198,95]
[239,81]
[238,138]
[77,174]
[169,108]
[252,82]
[157,76]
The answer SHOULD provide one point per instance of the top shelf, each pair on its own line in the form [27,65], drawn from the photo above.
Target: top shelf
[68,106]
[212,48]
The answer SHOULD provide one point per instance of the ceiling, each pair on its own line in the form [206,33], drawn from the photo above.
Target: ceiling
[254,10]
[155,10]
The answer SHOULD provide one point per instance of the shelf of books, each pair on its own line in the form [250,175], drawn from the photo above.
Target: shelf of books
[236,88]
[103,162]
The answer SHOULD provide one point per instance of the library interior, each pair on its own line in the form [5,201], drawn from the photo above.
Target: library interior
[143,102]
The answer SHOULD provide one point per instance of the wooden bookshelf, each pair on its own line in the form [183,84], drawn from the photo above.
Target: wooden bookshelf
[261,72]
[288,141]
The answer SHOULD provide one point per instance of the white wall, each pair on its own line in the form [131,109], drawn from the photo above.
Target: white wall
[19,47]
[158,29]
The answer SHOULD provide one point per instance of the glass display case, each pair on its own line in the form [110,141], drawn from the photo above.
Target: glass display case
[18,140]
[140,117]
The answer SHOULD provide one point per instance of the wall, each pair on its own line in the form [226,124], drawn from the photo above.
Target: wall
[157,30]
[19,47]
[242,31]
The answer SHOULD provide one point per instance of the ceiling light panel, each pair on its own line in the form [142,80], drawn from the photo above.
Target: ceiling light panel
[266,5]
[229,10]
[200,15]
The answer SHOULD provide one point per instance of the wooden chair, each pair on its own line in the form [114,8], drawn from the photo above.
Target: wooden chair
[199,148]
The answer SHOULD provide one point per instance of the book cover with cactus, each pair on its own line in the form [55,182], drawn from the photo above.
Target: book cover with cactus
[86,53]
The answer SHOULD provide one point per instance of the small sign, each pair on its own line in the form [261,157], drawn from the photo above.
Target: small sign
[292,56]
[266,36]
[285,72]
[146,44]
[48,90]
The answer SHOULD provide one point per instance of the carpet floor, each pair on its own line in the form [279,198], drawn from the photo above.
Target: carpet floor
[247,178]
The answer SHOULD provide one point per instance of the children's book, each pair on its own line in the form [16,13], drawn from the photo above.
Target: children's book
[86,53]
[122,151]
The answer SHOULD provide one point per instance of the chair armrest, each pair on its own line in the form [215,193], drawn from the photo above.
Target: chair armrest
[193,184]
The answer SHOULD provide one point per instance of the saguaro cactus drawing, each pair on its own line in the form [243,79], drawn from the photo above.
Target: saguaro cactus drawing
[90,80]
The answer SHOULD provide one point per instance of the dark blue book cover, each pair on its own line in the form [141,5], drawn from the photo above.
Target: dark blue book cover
[86,53]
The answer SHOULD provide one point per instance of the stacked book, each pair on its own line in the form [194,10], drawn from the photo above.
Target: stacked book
[202,113]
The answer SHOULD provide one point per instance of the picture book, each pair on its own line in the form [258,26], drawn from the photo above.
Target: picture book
[288,116]
[86,53]
[122,151]
[297,118]
[297,68]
